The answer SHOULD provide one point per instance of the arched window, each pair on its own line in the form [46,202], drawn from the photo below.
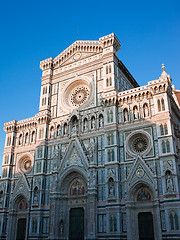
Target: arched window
[112,223]
[125,114]
[108,116]
[110,155]
[34,225]
[26,138]
[171,221]
[165,129]
[110,81]
[85,124]
[167,146]
[58,130]
[74,124]
[101,120]
[159,105]
[163,147]
[111,115]
[174,222]
[20,139]
[52,132]
[163,104]
[6,159]
[110,139]
[162,129]
[109,68]
[106,69]
[107,82]
[33,136]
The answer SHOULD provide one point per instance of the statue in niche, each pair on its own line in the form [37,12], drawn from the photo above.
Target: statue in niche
[101,122]
[85,125]
[91,150]
[61,227]
[146,111]
[36,193]
[143,195]
[111,188]
[136,115]
[93,123]
[169,182]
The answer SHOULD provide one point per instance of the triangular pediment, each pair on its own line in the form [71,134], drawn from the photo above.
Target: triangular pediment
[21,187]
[76,57]
[74,157]
[139,172]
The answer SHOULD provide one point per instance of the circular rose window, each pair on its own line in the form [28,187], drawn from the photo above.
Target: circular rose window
[79,96]
[76,93]
[138,143]
[25,165]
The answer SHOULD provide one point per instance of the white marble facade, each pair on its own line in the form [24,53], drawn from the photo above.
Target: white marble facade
[100,143]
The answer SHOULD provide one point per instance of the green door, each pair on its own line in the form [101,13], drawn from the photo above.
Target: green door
[146,230]
[21,229]
[76,224]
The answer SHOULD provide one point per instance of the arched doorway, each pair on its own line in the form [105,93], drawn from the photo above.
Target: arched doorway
[73,206]
[21,216]
[143,213]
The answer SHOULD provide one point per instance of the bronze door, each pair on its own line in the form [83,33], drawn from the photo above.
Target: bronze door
[146,230]
[21,229]
[76,224]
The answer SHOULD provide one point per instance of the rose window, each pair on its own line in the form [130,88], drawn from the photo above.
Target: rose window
[79,96]
[139,144]
[25,165]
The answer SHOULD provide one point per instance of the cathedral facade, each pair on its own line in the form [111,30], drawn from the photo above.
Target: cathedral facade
[101,158]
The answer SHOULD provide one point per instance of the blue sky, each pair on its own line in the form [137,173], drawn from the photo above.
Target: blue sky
[31,31]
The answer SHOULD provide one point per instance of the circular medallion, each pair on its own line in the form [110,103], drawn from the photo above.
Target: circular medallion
[77,56]
[139,172]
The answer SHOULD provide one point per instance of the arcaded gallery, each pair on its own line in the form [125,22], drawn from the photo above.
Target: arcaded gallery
[101,158]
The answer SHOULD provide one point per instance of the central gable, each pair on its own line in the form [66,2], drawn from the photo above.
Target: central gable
[74,157]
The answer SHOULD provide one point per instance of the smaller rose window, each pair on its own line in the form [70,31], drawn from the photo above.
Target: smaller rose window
[79,96]
[138,143]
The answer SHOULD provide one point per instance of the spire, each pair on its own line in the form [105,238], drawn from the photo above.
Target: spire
[164,73]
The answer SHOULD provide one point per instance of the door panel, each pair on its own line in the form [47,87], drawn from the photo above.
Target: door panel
[21,229]
[76,224]
[146,230]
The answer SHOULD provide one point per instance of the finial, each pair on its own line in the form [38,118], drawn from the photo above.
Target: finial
[163,67]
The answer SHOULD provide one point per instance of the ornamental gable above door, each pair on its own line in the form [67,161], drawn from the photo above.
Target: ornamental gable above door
[74,157]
